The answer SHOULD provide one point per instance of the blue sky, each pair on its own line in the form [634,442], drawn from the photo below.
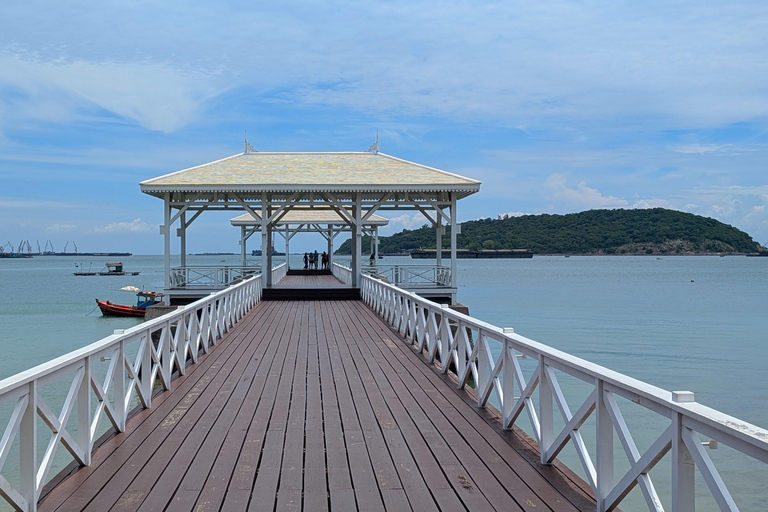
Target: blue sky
[556,107]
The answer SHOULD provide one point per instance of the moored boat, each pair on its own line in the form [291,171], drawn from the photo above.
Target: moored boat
[145,299]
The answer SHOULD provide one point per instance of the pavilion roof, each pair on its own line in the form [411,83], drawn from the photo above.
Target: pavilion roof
[311,172]
[312,216]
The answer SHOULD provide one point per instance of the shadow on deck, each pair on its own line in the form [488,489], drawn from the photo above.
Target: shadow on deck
[309,405]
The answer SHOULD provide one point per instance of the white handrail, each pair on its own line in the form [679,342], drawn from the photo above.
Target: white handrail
[461,343]
[413,276]
[279,272]
[342,273]
[210,276]
[165,345]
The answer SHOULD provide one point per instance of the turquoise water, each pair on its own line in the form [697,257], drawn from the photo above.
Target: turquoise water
[680,323]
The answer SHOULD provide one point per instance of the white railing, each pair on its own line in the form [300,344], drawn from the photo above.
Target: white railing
[115,374]
[279,272]
[210,277]
[413,276]
[463,344]
[342,273]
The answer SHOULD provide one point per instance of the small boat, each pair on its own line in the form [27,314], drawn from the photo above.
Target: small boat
[145,299]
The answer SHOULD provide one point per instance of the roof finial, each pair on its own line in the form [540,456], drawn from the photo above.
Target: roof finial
[248,147]
[375,146]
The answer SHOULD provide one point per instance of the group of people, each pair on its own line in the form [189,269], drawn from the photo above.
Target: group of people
[311,260]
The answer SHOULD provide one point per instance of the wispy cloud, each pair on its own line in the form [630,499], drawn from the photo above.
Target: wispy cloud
[154,95]
[135,226]
[582,195]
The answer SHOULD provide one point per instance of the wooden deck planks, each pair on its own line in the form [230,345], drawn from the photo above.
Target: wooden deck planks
[310,406]
[310,280]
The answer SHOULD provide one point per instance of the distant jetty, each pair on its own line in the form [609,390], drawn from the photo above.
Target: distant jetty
[467,254]
[86,254]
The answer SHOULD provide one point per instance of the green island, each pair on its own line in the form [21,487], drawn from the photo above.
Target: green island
[618,231]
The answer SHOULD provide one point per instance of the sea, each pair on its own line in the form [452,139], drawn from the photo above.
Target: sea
[694,323]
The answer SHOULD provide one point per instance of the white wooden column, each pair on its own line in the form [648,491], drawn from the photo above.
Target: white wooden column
[243,252]
[357,241]
[330,247]
[167,239]
[183,237]
[287,248]
[439,239]
[376,243]
[269,255]
[266,271]
[454,232]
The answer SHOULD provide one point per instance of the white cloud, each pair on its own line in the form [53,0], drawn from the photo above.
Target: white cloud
[582,195]
[653,203]
[406,221]
[154,95]
[511,214]
[36,204]
[135,226]
[530,64]
[699,149]
[61,228]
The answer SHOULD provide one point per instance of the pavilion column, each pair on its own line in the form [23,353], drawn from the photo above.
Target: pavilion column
[167,239]
[454,232]
[439,238]
[376,243]
[266,271]
[287,249]
[243,251]
[183,236]
[330,247]
[357,242]
[269,254]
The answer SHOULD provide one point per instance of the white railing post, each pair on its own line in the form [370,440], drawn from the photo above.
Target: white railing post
[28,449]
[546,412]
[146,369]
[604,447]
[121,404]
[683,471]
[84,433]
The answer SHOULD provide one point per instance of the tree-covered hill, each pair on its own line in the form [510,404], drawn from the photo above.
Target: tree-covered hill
[648,231]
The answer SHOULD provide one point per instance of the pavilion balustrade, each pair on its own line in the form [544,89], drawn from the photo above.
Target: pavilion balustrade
[413,276]
[210,277]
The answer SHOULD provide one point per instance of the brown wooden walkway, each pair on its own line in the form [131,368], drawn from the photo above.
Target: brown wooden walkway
[310,280]
[315,406]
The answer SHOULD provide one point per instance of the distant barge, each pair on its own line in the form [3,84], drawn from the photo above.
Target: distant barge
[113,269]
[466,253]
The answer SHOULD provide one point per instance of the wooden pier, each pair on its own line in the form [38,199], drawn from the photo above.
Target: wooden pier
[315,405]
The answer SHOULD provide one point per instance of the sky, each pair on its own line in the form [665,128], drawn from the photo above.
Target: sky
[557,107]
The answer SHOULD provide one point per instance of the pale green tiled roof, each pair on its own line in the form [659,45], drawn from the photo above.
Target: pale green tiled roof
[311,172]
[313,216]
